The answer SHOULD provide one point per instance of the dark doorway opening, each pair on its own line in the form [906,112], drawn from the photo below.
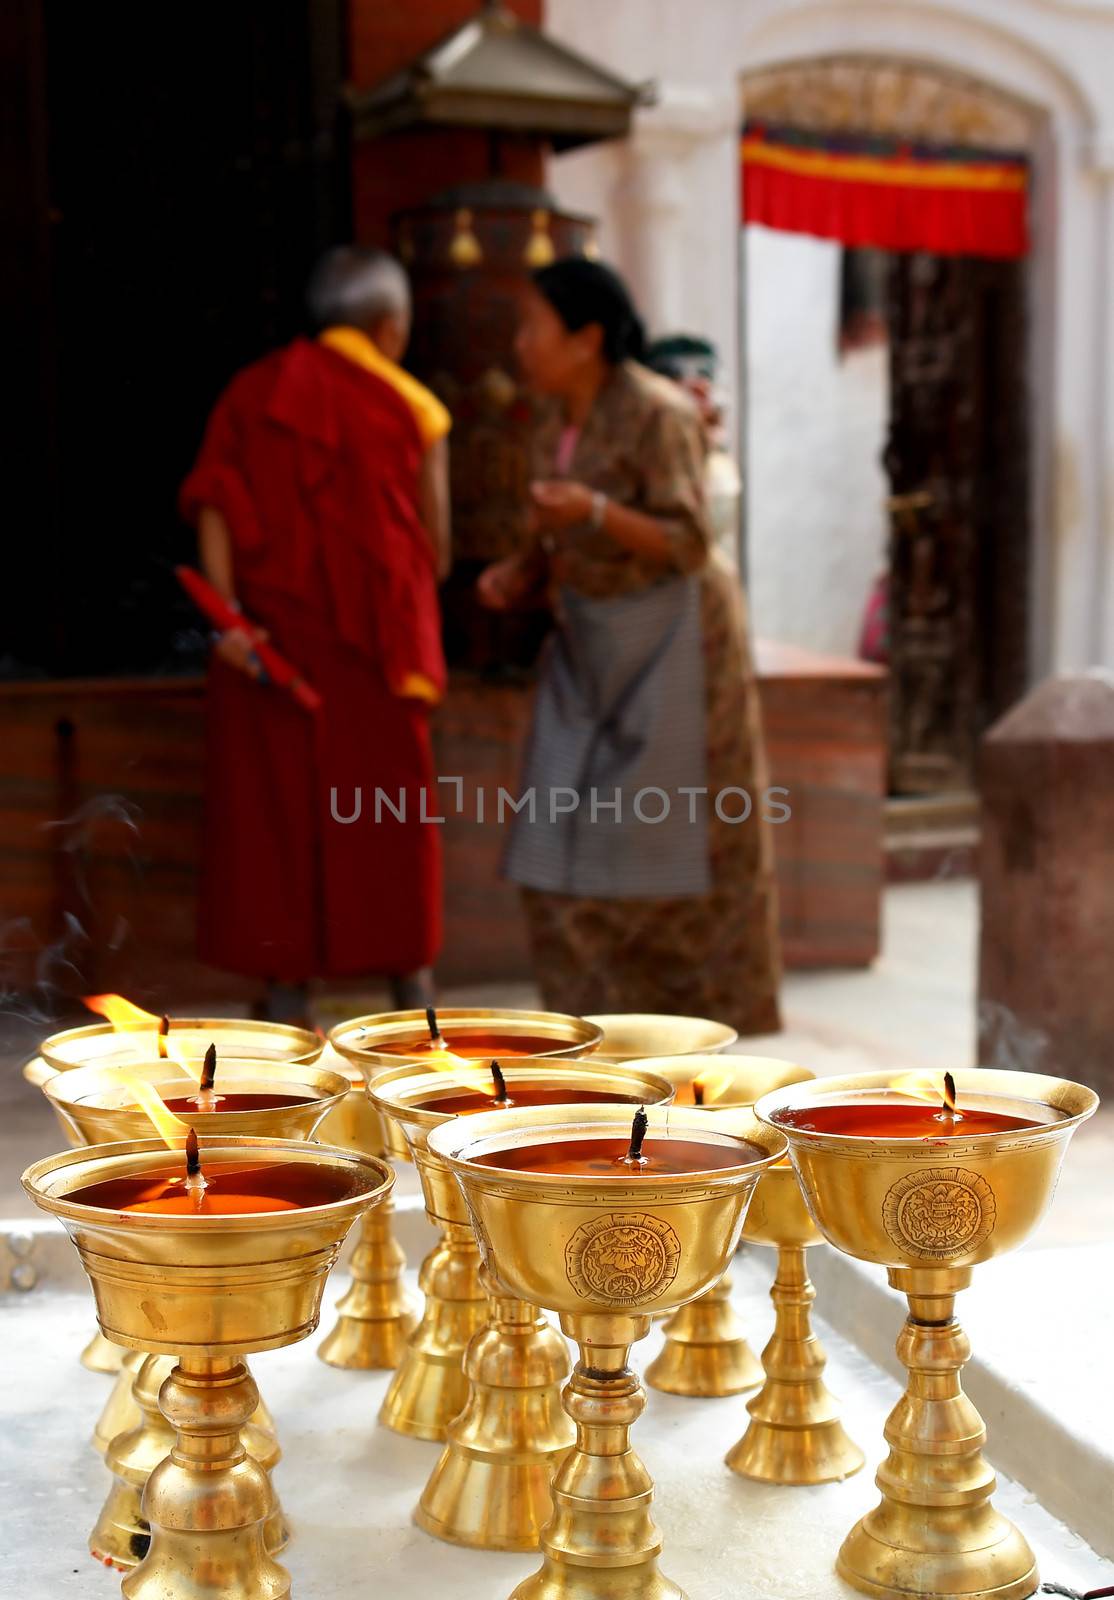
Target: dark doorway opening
[958,460]
[185,165]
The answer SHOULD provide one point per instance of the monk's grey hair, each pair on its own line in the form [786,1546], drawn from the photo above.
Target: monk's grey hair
[354,287]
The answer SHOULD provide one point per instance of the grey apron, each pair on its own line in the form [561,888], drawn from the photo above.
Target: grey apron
[619,711]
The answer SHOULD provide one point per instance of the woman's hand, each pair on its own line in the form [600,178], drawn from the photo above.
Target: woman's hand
[236,647]
[561,504]
[505,583]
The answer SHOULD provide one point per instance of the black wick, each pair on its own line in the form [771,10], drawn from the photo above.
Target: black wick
[209,1070]
[431,1022]
[949,1092]
[499,1081]
[164,1029]
[697,1093]
[193,1155]
[638,1127]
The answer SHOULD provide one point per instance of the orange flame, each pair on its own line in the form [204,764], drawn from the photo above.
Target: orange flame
[711,1085]
[927,1087]
[120,1012]
[171,1129]
[468,1073]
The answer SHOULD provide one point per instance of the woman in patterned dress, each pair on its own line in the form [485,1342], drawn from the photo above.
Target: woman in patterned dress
[646,689]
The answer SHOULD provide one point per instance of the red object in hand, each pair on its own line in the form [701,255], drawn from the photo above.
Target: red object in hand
[224,615]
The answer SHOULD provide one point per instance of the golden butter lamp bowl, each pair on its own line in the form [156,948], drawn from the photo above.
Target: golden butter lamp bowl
[360,1039]
[605,1252]
[98,1105]
[262,1273]
[930,1210]
[107,1044]
[706,1353]
[431,1387]
[646,1035]
[207,1288]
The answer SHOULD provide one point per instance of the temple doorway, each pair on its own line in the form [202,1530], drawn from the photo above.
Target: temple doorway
[898,463]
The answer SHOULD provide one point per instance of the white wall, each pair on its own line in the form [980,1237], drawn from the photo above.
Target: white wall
[815,428]
[671,196]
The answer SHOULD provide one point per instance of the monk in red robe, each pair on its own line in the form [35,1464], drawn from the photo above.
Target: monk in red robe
[320,499]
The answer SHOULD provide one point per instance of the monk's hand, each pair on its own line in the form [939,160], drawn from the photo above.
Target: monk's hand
[504,583]
[236,646]
[560,504]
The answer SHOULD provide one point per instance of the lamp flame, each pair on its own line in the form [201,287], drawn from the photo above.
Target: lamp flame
[711,1085]
[925,1086]
[120,1012]
[919,1086]
[463,1070]
[170,1129]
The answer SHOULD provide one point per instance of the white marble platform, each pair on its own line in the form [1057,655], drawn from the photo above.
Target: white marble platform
[348,1486]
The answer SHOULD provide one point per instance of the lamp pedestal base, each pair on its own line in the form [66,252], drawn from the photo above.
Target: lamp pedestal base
[208,1502]
[936,1532]
[795,1434]
[101,1355]
[430,1388]
[601,1542]
[491,1489]
[377,1316]
[705,1353]
[122,1533]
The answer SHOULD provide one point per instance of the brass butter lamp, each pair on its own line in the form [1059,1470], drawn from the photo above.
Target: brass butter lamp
[377,1316]
[706,1353]
[495,1396]
[124,1044]
[642,1035]
[206,1289]
[604,1250]
[97,1105]
[955,1189]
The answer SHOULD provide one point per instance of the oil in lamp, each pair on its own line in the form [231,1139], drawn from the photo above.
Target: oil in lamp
[497,1387]
[228,1256]
[604,1220]
[795,1434]
[376,1316]
[705,1351]
[96,1105]
[472,1033]
[929,1187]
[642,1035]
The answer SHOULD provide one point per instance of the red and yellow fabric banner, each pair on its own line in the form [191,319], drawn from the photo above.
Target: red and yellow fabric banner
[892,196]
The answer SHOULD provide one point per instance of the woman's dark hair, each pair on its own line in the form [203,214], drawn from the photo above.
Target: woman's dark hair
[582,292]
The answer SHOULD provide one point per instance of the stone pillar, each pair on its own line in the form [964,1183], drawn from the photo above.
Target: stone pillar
[675,212]
[1046,772]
